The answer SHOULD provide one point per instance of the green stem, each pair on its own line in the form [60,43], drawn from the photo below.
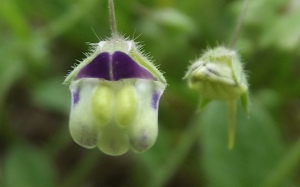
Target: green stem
[239,25]
[113,22]
[284,168]
[175,158]
[231,106]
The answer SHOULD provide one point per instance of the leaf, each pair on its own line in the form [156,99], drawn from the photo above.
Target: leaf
[284,31]
[28,167]
[52,95]
[258,146]
[174,18]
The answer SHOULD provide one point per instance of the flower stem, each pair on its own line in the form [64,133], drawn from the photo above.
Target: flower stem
[231,106]
[239,25]
[113,23]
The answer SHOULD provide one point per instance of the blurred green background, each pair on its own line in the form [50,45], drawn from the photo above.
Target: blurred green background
[40,41]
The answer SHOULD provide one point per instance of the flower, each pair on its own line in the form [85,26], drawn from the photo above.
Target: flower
[115,97]
[218,75]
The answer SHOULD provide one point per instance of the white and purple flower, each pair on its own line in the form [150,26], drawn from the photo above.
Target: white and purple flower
[115,97]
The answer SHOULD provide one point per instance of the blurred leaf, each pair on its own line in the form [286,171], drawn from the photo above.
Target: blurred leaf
[27,167]
[13,15]
[285,167]
[82,169]
[175,19]
[269,98]
[1,174]
[68,19]
[11,69]
[9,73]
[172,161]
[284,31]
[258,148]
[256,7]
[156,155]
[278,25]
[58,141]
[52,95]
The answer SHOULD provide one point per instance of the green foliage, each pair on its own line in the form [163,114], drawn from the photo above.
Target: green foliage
[259,147]
[40,41]
[28,167]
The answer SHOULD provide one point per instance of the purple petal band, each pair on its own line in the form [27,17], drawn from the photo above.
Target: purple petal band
[155,99]
[114,66]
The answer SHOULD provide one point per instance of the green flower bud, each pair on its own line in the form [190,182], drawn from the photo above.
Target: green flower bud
[218,75]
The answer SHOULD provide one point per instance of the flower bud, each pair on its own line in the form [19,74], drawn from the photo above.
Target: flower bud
[218,75]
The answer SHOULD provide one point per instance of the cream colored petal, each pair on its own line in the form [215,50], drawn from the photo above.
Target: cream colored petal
[83,127]
[144,130]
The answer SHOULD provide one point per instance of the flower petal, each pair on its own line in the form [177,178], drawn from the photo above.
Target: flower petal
[125,67]
[113,140]
[83,128]
[114,67]
[102,103]
[144,129]
[97,68]
[126,105]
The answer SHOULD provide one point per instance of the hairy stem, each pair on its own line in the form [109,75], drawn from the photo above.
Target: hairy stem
[113,23]
[239,24]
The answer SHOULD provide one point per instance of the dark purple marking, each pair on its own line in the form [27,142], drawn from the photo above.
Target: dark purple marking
[114,66]
[98,68]
[75,97]
[155,99]
[142,142]
[124,68]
